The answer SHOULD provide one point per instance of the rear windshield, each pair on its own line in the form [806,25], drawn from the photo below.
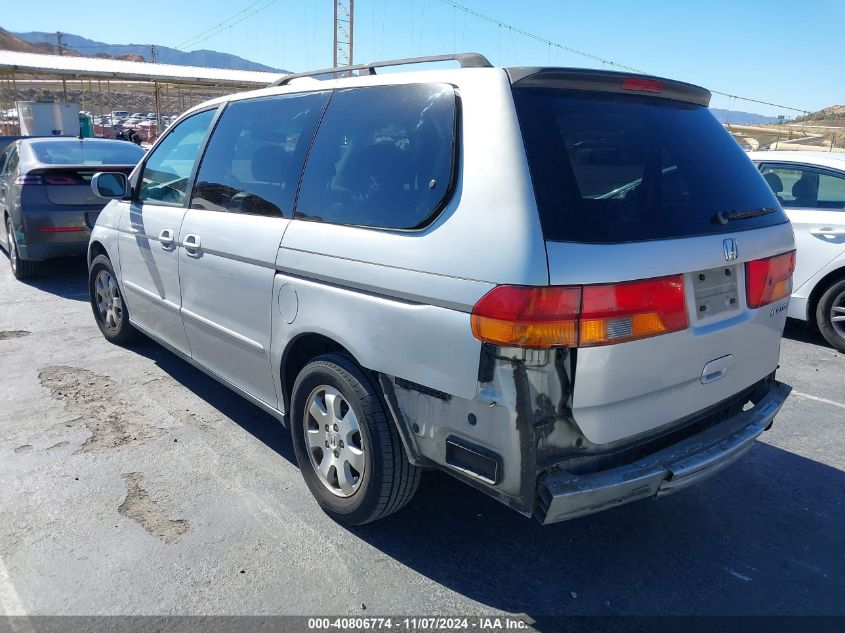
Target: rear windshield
[72,152]
[617,168]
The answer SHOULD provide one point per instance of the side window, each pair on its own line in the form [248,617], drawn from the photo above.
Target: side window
[3,158]
[254,158]
[798,186]
[168,169]
[383,157]
[14,159]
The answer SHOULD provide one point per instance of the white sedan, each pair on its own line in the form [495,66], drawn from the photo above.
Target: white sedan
[811,189]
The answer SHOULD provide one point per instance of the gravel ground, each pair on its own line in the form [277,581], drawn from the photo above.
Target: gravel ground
[134,484]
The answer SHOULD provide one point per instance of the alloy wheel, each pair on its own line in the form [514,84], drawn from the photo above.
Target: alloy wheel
[333,440]
[11,247]
[837,314]
[107,297]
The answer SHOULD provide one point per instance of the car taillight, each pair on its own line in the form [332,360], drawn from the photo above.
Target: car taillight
[614,313]
[62,180]
[769,280]
[521,316]
[567,316]
[26,179]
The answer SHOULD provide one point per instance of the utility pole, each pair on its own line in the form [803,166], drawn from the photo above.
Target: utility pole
[59,47]
[153,57]
[343,31]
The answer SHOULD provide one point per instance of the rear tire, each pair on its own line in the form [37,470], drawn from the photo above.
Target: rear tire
[830,315]
[110,310]
[21,268]
[347,447]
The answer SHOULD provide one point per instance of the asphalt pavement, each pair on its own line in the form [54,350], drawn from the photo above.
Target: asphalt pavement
[134,484]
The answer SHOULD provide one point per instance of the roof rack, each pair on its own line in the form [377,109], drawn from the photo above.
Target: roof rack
[466,60]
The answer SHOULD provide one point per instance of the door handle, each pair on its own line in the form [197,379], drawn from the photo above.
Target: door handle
[827,231]
[166,238]
[192,243]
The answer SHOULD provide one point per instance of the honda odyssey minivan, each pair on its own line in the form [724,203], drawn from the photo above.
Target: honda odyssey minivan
[564,287]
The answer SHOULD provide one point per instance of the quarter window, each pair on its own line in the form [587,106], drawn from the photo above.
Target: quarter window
[168,169]
[14,159]
[254,158]
[797,186]
[383,157]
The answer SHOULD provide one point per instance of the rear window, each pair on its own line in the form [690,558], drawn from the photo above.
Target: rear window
[74,152]
[617,168]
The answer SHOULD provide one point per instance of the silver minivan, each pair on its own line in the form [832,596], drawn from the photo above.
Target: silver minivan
[564,287]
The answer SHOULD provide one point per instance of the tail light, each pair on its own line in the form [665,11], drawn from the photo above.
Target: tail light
[26,179]
[564,316]
[769,280]
[62,180]
[615,313]
[519,316]
[48,179]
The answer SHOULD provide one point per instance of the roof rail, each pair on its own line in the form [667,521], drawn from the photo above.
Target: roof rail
[466,60]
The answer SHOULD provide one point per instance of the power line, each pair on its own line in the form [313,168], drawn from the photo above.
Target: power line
[226,24]
[597,58]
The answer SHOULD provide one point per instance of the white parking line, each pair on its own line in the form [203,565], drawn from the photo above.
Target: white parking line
[817,399]
[10,602]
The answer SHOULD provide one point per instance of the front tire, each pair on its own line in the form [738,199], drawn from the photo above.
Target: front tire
[348,449]
[830,315]
[110,310]
[21,268]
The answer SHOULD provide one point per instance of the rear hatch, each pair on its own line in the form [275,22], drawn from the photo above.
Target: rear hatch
[681,252]
[65,166]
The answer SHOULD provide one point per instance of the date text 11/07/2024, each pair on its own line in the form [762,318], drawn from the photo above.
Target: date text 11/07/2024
[481,623]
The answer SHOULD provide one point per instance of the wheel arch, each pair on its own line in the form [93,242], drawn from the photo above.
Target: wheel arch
[96,248]
[302,349]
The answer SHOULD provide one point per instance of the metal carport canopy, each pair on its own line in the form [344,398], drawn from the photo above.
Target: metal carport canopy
[99,68]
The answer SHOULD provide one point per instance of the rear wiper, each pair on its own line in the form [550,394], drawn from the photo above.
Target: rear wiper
[723,217]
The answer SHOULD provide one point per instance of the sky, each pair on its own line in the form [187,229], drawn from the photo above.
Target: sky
[786,52]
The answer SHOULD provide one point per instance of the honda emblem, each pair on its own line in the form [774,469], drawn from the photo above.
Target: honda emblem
[730,249]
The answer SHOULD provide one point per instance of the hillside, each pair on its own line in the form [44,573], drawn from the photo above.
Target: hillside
[141,52]
[8,42]
[741,118]
[833,116]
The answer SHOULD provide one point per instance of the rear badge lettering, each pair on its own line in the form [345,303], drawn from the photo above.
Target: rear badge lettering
[778,309]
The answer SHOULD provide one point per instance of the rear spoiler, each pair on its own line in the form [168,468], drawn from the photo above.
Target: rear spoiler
[607,81]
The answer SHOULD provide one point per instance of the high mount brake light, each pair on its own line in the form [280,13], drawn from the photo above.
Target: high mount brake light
[642,85]
[575,316]
[769,280]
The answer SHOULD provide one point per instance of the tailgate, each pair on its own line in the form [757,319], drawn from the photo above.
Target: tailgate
[651,208]
[627,389]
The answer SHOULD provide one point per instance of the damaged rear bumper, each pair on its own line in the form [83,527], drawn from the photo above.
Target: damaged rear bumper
[563,495]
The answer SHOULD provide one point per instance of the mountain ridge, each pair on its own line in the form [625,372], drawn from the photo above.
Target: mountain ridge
[164,54]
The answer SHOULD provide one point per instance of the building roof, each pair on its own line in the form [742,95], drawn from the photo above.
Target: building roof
[99,68]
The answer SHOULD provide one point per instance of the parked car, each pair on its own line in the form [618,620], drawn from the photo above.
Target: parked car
[810,187]
[424,270]
[46,202]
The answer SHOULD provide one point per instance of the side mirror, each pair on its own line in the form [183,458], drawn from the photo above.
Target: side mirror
[109,184]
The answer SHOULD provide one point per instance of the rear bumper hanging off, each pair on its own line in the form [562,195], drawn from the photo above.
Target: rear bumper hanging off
[564,495]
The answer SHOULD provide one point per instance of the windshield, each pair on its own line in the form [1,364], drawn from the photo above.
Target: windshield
[617,168]
[74,152]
